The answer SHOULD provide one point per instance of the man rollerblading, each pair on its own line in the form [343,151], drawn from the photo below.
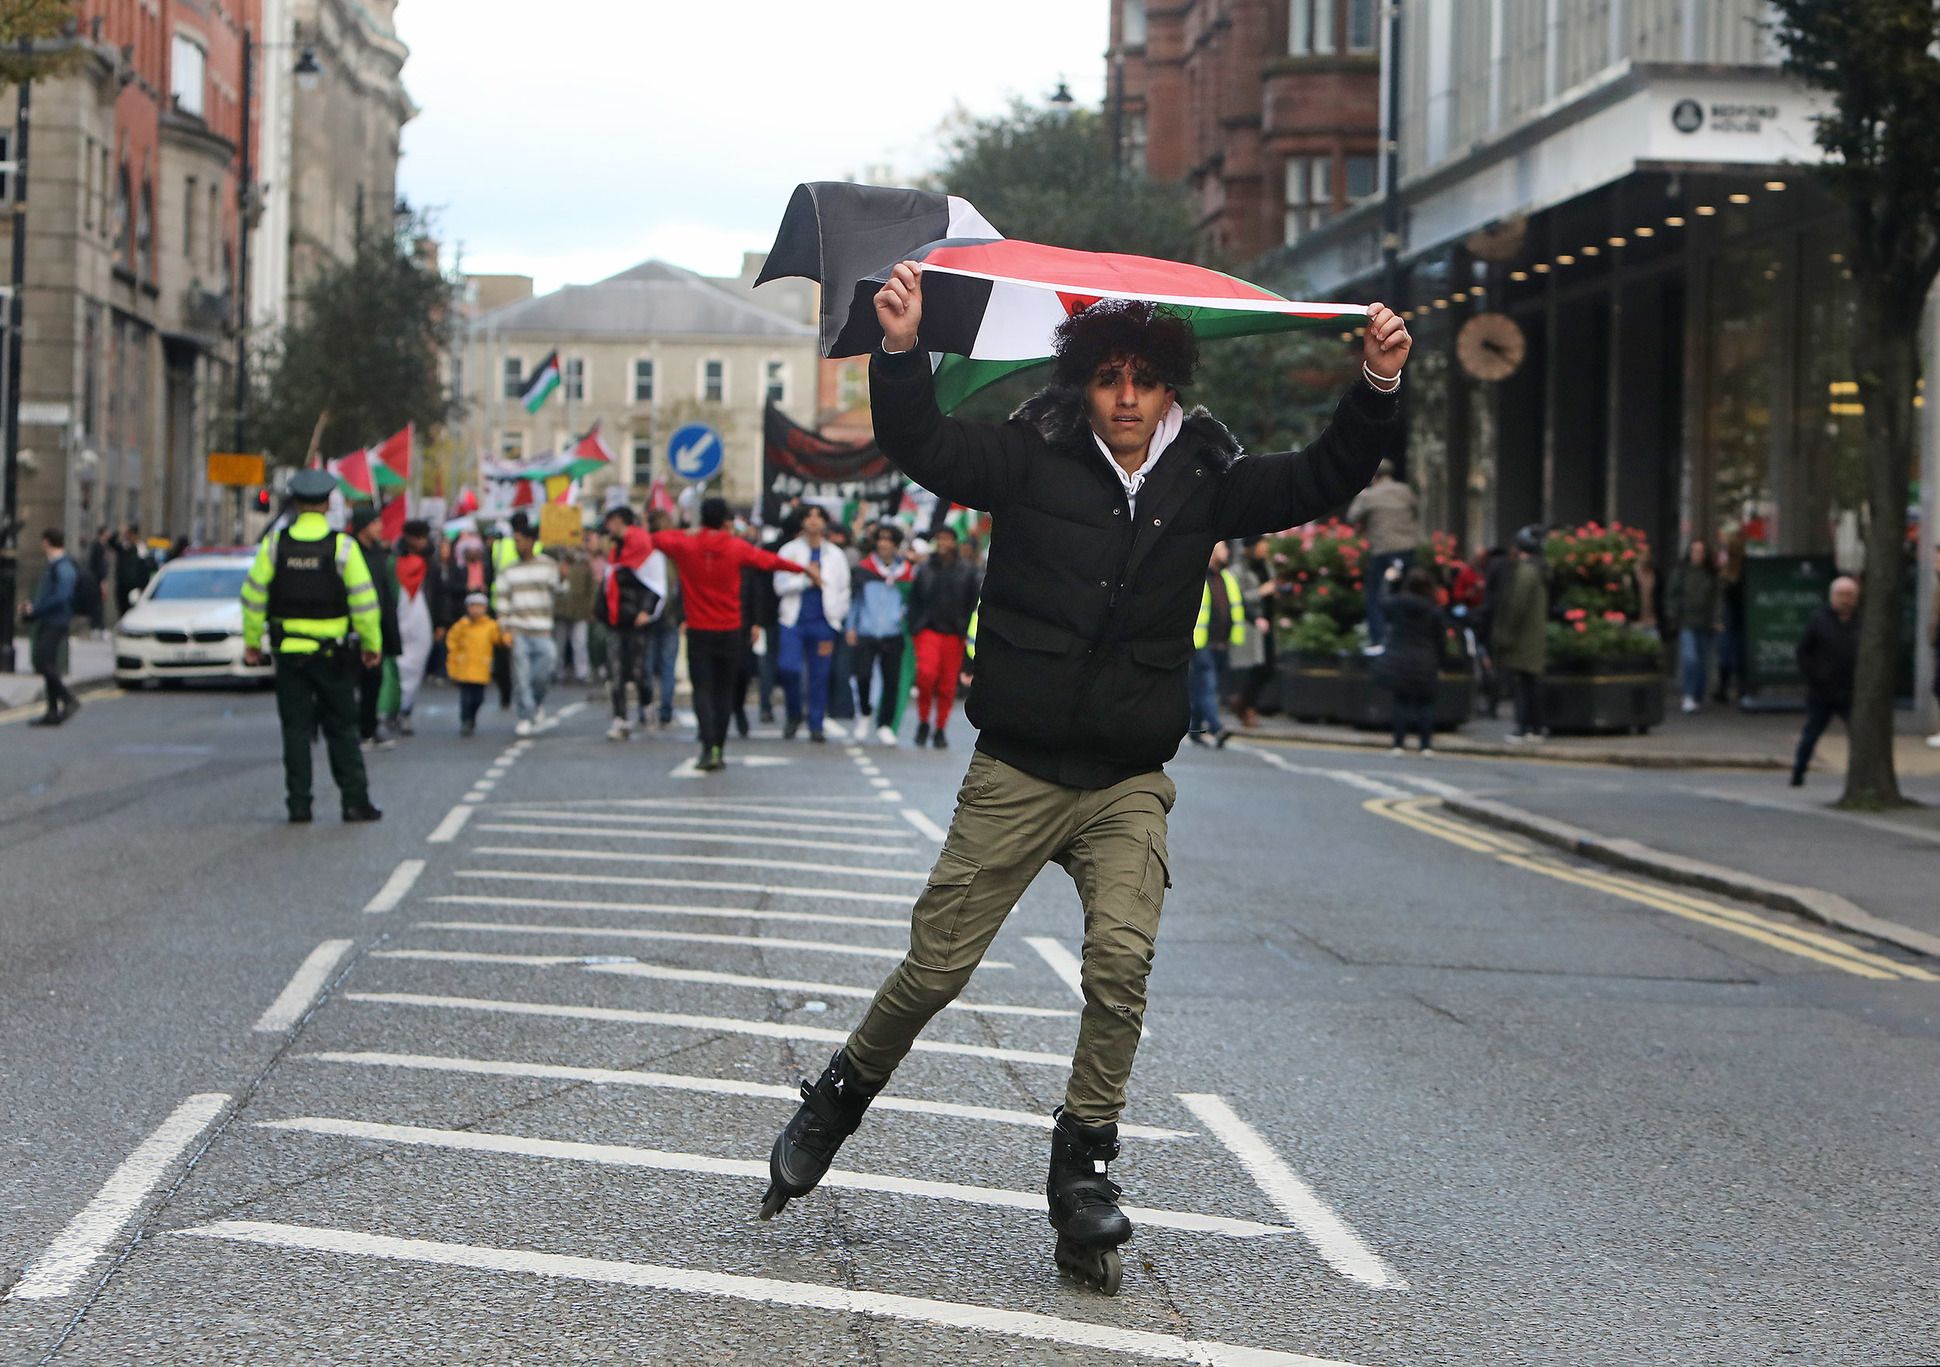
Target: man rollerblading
[1106,499]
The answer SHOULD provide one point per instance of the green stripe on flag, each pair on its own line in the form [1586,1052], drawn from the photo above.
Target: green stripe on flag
[536,397]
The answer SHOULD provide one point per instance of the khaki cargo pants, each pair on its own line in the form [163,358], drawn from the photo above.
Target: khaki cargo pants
[1008,825]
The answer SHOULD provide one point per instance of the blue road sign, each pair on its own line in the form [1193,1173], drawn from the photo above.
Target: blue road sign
[695,452]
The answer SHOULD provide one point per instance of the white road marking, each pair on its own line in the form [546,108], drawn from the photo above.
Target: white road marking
[310,977]
[843,870]
[679,1020]
[484,785]
[893,899]
[890,795]
[523,812]
[1330,1235]
[402,879]
[982,1319]
[473,796]
[454,822]
[869,769]
[60,1268]
[924,825]
[705,804]
[690,767]
[628,1156]
[1435,786]
[671,973]
[680,1082]
[673,909]
[879,783]
[1066,965]
[699,837]
[685,937]
[1348,776]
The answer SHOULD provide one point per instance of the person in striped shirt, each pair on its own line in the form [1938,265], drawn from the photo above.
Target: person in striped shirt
[524,591]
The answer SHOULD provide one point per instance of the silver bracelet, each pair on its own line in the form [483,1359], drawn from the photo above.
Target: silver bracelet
[1386,384]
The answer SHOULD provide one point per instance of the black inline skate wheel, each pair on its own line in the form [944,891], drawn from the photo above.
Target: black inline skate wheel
[1100,1269]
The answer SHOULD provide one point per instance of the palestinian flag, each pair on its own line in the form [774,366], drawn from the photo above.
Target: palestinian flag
[354,477]
[836,233]
[990,308]
[540,383]
[390,460]
[588,455]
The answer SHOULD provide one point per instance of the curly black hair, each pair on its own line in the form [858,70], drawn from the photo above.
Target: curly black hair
[1159,338]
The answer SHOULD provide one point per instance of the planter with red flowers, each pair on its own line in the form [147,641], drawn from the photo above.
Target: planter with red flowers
[1604,673]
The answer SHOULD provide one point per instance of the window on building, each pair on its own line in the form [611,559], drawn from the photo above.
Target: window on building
[1135,144]
[1131,22]
[643,381]
[101,187]
[188,219]
[851,386]
[714,381]
[1310,194]
[1360,26]
[1310,27]
[514,377]
[6,181]
[511,446]
[185,74]
[776,382]
[642,458]
[87,197]
[1363,176]
[123,214]
[576,378]
[145,230]
[215,226]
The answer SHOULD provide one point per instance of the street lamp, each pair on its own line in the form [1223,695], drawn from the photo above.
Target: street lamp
[1061,101]
[308,70]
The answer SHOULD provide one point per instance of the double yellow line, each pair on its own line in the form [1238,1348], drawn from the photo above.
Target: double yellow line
[1809,944]
[34,709]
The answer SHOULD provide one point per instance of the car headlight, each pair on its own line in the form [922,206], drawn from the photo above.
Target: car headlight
[133,633]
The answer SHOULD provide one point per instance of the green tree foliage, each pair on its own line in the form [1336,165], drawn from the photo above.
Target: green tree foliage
[1875,61]
[37,39]
[361,356]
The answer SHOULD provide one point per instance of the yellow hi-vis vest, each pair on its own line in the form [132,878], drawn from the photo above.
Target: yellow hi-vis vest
[1202,629]
[306,636]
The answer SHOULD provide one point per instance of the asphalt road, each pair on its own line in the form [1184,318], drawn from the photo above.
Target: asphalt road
[1413,1092]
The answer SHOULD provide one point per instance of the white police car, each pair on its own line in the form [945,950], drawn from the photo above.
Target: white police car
[188,623]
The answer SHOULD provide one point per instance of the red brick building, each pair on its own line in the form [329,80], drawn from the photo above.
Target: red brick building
[1269,110]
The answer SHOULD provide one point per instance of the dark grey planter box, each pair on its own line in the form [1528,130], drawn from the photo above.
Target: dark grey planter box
[1341,690]
[1603,703]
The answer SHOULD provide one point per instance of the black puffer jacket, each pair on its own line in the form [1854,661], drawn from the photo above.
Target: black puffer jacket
[1086,622]
[943,597]
[1411,664]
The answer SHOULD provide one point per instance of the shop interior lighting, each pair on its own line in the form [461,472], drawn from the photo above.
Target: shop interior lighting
[1843,387]
[1846,410]
[1706,210]
[1837,257]
[1645,232]
[1518,276]
[1674,221]
[1592,250]
[1774,185]
[1541,268]
[1738,198]
[1565,259]
[1441,303]
[1459,296]
[1619,240]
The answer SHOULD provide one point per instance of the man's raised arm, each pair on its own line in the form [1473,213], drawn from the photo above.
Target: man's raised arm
[1271,493]
[975,464]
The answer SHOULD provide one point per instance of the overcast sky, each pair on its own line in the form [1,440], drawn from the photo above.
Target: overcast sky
[570,140]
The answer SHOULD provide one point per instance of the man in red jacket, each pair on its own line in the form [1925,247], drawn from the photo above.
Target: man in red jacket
[710,562]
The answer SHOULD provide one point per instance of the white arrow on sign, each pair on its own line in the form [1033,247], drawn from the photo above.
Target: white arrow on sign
[693,457]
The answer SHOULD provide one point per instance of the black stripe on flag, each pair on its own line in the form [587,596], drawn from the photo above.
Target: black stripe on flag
[836,233]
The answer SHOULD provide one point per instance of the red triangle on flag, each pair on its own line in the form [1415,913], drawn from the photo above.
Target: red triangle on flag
[467,502]
[395,452]
[1077,303]
[353,472]
[391,519]
[522,493]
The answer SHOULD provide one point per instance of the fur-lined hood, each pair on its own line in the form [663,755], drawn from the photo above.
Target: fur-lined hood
[1057,412]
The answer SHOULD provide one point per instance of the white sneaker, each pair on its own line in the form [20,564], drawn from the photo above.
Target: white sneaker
[1690,706]
[619,730]
[1428,754]
[524,728]
[1398,750]
[887,737]
[1934,740]
[539,715]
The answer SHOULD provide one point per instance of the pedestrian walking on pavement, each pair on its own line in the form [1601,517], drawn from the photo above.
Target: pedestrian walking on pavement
[1251,661]
[470,643]
[1519,639]
[310,592]
[134,567]
[377,685]
[878,616]
[1389,515]
[52,613]
[1692,604]
[1410,667]
[1828,656]
[100,568]
[629,600]
[525,601]
[710,562]
[1081,694]
[811,613]
[1221,626]
[942,599]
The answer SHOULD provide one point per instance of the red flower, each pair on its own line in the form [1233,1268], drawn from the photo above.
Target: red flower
[1581,627]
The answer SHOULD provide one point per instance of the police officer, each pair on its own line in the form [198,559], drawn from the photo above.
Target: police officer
[309,584]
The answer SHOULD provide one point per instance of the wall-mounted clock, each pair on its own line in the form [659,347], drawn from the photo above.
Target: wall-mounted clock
[1491,346]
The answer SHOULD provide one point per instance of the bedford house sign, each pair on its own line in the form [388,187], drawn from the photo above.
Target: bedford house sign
[1688,116]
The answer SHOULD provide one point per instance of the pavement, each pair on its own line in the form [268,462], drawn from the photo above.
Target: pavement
[494,1080]
[91,666]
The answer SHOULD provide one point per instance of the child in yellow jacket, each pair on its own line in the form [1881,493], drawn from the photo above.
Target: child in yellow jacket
[468,658]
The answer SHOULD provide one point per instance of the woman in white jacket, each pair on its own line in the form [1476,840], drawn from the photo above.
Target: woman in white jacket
[810,619]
